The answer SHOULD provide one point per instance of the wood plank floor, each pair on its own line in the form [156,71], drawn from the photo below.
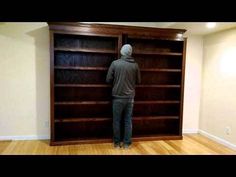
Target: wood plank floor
[192,144]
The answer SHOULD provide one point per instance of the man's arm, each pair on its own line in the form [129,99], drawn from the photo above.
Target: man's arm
[110,74]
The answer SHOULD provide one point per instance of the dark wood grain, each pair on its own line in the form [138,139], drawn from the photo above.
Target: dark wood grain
[95,119]
[91,50]
[182,88]
[80,77]
[104,109]
[92,92]
[89,130]
[81,100]
[86,43]
[79,59]
[159,61]
[109,30]
[156,46]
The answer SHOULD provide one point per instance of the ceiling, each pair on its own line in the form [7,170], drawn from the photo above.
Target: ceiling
[199,28]
[193,28]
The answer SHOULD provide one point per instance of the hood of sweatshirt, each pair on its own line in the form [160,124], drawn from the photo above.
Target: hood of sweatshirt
[127,59]
[126,50]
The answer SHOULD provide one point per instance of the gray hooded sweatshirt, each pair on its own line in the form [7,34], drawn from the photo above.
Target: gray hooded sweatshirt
[124,74]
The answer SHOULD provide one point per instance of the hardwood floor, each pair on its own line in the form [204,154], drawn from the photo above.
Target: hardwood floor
[192,144]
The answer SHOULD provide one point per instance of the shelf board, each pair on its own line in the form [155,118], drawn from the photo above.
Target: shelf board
[109,86]
[85,50]
[96,119]
[81,68]
[71,141]
[108,102]
[161,70]
[83,85]
[82,120]
[159,86]
[105,69]
[158,102]
[156,53]
[95,50]
[82,103]
[155,117]
[155,137]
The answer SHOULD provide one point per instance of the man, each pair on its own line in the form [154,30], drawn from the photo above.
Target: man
[124,73]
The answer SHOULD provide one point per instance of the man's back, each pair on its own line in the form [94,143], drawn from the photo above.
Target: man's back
[125,74]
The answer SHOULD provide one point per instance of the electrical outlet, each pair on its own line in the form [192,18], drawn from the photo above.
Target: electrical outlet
[46,124]
[227,130]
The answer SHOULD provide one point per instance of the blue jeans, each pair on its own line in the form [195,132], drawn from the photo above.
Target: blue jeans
[122,107]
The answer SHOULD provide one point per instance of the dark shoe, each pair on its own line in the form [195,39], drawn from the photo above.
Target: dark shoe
[117,146]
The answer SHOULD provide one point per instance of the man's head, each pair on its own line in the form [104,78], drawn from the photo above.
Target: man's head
[126,50]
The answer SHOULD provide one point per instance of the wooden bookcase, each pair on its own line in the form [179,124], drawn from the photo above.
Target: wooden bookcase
[81,99]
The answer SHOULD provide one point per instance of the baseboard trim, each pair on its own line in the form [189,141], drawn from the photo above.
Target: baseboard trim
[217,139]
[186,131]
[26,137]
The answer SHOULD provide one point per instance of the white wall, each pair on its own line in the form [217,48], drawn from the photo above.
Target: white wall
[218,103]
[24,78]
[192,88]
